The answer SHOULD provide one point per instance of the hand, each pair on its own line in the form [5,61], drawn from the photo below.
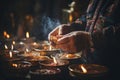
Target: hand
[74,41]
[62,30]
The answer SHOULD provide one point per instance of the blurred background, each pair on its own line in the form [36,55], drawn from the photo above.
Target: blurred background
[38,17]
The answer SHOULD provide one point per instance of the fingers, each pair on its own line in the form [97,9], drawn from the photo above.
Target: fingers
[67,44]
[55,32]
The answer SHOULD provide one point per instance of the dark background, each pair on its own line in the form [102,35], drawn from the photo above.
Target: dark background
[21,8]
[42,11]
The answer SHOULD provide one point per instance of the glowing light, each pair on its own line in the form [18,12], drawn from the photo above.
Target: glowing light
[13,42]
[6,47]
[27,50]
[14,65]
[50,47]
[83,69]
[54,60]
[5,33]
[27,35]
[12,47]
[70,18]
[10,53]
[34,43]
[8,36]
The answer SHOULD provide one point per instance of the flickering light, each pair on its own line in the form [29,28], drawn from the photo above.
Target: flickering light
[54,60]
[13,42]
[27,35]
[70,18]
[6,47]
[83,69]
[10,53]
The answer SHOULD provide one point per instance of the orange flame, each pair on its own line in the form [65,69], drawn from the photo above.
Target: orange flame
[83,69]
[14,65]
[5,33]
[70,18]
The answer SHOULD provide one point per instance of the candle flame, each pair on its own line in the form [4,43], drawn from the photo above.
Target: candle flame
[6,47]
[27,50]
[50,47]
[34,43]
[10,53]
[8,36]
[12,47]
[13,42]
[14,65]
[70,18]
[27,35]
[5,33]
[83,69]
[55,61]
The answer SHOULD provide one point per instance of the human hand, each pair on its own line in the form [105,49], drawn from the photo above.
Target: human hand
[62,30]
[74,41]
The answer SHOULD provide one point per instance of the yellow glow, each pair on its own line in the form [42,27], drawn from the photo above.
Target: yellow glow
[27,50]
[14,65]
[70,18]
[4,33]
[10,53]
[6,47]
[13,42]
[27,35]
[12,47]
[50,47]
[83,69]
[8,36]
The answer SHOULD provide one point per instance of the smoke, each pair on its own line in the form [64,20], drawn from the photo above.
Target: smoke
[43,26]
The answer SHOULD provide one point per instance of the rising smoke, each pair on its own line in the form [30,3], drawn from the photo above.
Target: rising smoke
[43,26]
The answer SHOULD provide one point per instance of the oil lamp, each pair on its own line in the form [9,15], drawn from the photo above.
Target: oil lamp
[28,39]
[54,63]
[88,71]
[17,68]
[45,73]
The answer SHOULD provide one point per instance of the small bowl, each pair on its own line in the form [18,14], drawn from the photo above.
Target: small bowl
[93,70]
[17,69]
[45,73]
